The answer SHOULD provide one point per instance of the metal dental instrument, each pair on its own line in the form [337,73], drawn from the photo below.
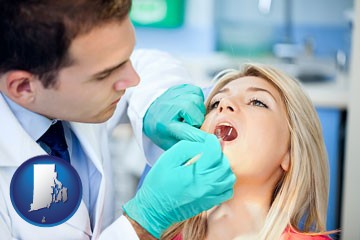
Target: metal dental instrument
[193,160]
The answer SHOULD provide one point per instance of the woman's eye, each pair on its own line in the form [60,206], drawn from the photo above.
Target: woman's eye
[214,105]
[257,103]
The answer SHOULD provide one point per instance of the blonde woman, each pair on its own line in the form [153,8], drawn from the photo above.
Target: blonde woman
[271,135]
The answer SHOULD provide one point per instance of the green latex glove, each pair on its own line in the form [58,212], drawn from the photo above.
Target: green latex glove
[176,115]
[173,191]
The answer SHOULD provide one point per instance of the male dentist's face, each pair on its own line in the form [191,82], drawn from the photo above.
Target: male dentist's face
[89,89]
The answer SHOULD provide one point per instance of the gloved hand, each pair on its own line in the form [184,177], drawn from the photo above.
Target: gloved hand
[173,192]
[175,115]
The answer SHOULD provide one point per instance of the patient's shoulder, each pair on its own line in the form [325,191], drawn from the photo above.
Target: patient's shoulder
[291,234]
[178,237]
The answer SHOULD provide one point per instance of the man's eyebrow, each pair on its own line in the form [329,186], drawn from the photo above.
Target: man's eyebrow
[109,70]
[256,89]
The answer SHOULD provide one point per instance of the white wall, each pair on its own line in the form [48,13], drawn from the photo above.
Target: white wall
[195,37]
[312,12]
[351,201]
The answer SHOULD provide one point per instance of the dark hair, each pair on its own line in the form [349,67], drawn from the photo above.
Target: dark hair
[35,35]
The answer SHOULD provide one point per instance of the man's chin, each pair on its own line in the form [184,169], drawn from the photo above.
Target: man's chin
[102,119]
[97,119]
[106,116]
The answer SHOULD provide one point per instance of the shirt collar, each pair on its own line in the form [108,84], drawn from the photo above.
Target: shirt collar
[34,124]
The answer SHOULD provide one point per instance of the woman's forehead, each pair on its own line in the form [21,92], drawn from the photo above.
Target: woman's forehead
[250,81]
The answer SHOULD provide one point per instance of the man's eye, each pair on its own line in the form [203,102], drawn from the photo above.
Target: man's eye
[103,76]
[257,103]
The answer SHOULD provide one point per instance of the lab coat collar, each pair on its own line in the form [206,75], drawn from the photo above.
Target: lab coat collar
[33,123]
[89,136]
[16,146]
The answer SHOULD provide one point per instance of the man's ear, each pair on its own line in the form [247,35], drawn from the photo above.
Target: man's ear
[20,87]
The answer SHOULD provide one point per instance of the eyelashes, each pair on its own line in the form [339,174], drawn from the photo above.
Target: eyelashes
[256,102]
[103,76]
[214,103]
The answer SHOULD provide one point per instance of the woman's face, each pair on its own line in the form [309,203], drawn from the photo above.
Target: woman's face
[249,114]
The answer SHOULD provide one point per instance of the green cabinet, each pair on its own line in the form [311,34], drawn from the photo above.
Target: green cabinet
[158,13]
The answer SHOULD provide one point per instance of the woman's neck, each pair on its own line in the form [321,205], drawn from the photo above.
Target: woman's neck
[243,215]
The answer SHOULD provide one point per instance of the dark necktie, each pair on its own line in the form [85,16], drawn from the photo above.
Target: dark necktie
[54,141]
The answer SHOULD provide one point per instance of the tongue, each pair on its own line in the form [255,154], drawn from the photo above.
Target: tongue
[226,133]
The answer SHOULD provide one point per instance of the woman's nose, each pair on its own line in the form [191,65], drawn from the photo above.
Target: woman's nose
[226,104]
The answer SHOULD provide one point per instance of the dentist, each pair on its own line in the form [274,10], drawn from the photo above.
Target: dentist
[71,62]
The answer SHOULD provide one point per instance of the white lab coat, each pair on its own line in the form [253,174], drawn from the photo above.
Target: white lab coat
[158,71]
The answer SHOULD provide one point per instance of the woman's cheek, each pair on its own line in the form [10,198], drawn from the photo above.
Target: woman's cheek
[208,122]
[205,126]
[228,156]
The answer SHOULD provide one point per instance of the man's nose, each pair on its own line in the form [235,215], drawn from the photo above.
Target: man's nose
[134,78]
[129,78]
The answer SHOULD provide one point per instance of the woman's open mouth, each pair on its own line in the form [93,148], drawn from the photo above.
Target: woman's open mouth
[225,131]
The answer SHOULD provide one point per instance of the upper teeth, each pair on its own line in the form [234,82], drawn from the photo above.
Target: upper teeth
[224,124]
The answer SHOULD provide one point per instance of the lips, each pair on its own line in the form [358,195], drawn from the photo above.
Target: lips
[116,101]
[226,132]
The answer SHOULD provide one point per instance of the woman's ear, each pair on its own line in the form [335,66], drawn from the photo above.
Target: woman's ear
[285,164]
[20,87]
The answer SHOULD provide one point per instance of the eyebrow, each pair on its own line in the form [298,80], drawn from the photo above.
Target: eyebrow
[224,90]
[109,70]
[257,89]
[250,89]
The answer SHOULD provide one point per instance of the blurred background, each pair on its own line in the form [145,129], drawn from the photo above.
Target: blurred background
[311,40]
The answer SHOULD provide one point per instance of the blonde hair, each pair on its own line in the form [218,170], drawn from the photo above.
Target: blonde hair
[301,196]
